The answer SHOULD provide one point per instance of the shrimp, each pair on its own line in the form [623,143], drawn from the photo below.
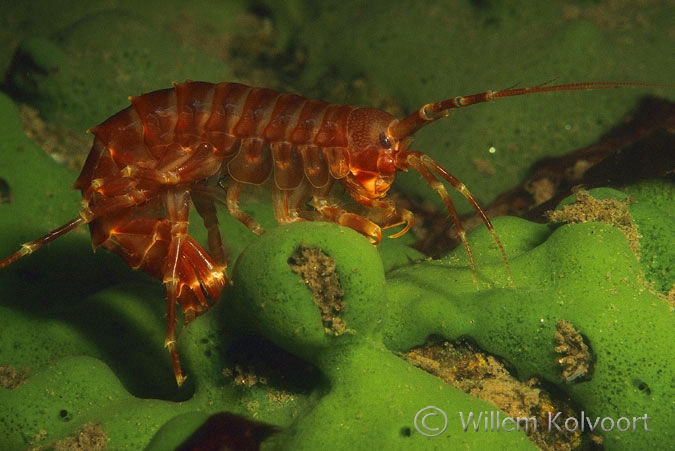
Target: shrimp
[174,148]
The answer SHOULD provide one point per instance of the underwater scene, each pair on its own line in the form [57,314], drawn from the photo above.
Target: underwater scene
[351,325]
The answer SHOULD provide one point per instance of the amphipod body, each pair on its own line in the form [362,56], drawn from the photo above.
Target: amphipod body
[175,148]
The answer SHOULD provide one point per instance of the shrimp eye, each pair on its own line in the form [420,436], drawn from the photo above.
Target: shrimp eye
[384,141]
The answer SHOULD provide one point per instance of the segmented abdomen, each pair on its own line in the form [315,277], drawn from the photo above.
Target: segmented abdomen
[253,130]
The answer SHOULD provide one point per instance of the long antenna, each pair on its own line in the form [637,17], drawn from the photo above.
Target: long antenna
[433,111]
